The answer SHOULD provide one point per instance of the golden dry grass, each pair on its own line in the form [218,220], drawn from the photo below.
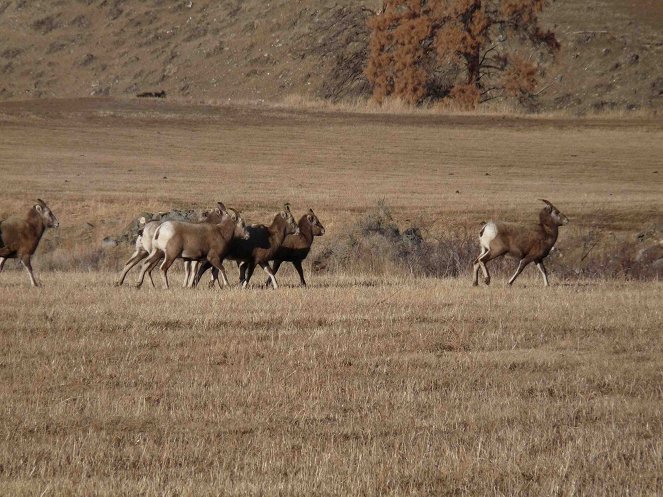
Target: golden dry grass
[354,386]
[359,384]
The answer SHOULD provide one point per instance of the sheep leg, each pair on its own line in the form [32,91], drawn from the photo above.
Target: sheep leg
[137,256]
[165,265]
[154,264]
[275,268]
[521,265]
[224,277]
[542,268]
[241,265]
[250,266]
[148,264]
[480,263]
[201,270]
[477,265]
[268,270]
[217,264]
[300,271]
[2,263]
[214,278]
[194,269]
[187,273]
[25,260]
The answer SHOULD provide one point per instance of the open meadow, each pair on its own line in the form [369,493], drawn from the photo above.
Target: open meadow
[370,381]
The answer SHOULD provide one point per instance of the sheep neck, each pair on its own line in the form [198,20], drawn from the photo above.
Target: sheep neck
[549,228]
[306,230]
[277,231]
[36,223]
[227,229]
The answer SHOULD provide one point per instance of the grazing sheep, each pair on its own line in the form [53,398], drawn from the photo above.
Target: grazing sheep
[194,242]
[295,248]
[528,243]
[19,236]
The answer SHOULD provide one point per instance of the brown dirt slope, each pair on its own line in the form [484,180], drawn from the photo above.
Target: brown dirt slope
[612,55]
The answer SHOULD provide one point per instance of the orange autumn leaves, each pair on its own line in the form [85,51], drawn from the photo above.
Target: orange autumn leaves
[467,50]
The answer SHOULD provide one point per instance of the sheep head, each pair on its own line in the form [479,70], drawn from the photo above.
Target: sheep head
[47,216]
[554,213]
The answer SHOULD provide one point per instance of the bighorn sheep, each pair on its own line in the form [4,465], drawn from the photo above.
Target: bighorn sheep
[259,248]
[194,242]
[528,243]
[144,246]
[19,236]
[295,248]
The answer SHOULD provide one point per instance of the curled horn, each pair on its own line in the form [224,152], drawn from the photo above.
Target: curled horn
[234,214]
[41,202]
[547,203]
[221,206]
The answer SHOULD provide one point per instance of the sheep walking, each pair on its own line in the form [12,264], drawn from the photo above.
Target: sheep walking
[20,235]
[295,248]
[194,242]
[143,248]
[530,243]
[258,249]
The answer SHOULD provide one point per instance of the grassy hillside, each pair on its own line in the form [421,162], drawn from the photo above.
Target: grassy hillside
[612,54]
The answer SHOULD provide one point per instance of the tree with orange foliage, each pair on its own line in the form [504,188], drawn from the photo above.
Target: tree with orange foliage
[469,50]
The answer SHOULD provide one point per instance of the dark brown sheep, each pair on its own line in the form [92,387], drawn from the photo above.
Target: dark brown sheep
[295,248]
[259,248]
[528,243]
[20,235]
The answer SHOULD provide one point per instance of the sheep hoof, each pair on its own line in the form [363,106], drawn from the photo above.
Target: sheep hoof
[487,280]
[475,283]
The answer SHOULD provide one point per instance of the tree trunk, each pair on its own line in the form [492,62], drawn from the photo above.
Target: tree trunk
[473,65]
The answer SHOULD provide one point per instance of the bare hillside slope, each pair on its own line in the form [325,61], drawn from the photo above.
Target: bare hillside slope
[612,54]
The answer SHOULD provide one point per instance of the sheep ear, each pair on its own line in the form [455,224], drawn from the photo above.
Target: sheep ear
[309,217]
[221,206]
[38,208]
[218,210]
[141,221]
[286,207]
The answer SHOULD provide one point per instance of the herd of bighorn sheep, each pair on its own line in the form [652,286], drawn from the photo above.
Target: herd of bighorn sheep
[223,234]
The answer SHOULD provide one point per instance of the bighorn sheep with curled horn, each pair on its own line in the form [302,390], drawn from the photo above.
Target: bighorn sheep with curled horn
[143,246]
[528,243]
[259,248]
[20,235]
[194,242]
[295,248]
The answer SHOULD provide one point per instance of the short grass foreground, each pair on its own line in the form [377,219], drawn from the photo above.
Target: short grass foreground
[353,386]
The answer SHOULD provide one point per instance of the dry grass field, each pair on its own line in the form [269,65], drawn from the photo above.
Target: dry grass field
[360,384]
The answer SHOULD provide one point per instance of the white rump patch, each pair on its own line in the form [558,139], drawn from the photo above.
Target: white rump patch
[166,232]
[488,235]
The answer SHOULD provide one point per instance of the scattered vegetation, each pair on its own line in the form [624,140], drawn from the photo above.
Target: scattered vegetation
[376,245]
